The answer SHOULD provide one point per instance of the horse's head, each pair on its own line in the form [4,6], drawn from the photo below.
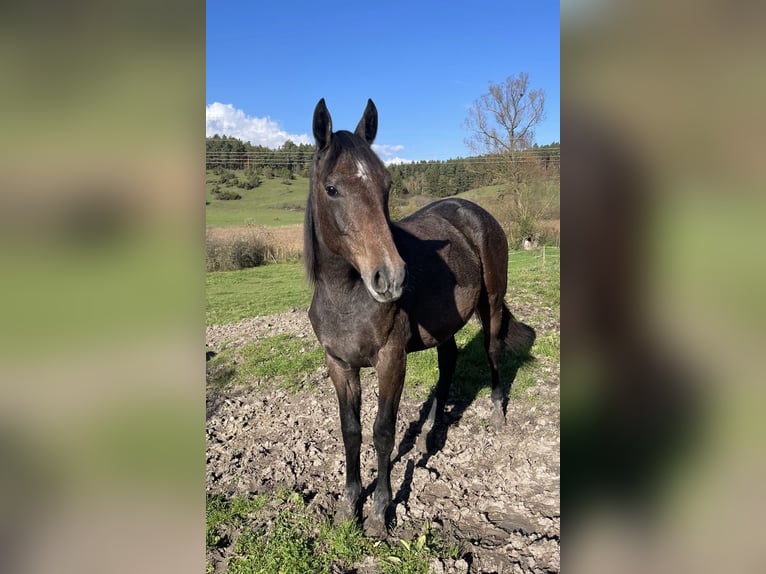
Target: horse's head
[349,202]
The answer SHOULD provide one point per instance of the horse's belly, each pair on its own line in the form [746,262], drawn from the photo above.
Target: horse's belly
[437,321]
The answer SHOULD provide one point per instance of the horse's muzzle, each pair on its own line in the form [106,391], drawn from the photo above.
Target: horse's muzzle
[386,284]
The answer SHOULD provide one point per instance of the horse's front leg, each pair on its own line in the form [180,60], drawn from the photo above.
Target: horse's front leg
[391,367]
[349,391]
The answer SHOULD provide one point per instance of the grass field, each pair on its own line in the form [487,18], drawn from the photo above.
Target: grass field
[272,203]
[277,203]
[264,290]
[276,288]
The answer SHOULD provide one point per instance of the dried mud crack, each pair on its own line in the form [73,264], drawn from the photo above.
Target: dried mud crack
[494,493]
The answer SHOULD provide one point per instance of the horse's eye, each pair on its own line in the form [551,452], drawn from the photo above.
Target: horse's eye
[331,190]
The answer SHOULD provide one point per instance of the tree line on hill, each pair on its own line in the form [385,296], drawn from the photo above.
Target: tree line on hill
[231,153]
[434,178]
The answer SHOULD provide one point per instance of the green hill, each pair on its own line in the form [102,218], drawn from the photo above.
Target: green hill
[274,202]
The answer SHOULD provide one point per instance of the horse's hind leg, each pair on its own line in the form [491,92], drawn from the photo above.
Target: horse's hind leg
[491,308]
[447,357]
[349,391]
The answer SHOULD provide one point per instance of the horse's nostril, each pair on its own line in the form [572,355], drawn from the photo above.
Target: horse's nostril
[379,281]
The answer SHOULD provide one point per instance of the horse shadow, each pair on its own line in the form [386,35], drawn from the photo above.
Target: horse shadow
[472,375]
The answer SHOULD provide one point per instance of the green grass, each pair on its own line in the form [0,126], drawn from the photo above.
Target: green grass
[532,280]
[279,534]
[283,355]
[490,192]
[222,511]
[280,359]
[482,193]
[272,203]
[275,288]
[264,290]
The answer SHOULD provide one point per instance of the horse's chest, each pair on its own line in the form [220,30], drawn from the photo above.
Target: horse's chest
[355,337]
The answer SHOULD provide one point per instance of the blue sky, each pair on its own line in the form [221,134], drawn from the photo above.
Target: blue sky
[422,62]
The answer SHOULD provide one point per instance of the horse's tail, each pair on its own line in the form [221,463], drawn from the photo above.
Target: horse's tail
[517,337]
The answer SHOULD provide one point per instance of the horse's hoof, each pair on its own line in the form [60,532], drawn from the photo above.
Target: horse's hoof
[498,419]
[375,527]
[344,512]
[422,443]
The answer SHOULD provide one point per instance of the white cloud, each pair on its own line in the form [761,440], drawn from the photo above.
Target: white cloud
[397,160]
[225,119]
[386,151]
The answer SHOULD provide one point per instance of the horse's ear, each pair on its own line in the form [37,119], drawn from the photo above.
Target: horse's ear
[367,128]
[322,125]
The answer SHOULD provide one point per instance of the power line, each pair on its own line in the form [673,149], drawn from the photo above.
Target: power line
[230,156]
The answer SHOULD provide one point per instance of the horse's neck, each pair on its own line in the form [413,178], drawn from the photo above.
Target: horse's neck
[335,273]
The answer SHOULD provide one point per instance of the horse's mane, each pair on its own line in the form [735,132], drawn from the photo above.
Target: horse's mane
[309,237]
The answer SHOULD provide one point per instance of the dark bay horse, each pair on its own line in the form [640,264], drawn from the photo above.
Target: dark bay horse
[384,289]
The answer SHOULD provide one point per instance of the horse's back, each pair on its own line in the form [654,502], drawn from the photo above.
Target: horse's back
[449,246]
[472,220]
[481,230]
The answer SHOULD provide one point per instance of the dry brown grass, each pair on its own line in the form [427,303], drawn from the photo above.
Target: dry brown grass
[287,238]
[266,244]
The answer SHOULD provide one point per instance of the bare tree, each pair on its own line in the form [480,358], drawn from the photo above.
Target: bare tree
[503,120]
[502,124]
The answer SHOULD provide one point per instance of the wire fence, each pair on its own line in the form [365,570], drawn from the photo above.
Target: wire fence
[543,253]
[277,159]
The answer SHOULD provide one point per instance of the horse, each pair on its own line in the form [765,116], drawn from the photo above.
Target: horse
[383,289]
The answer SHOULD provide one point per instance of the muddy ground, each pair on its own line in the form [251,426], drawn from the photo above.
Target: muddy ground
[494,492]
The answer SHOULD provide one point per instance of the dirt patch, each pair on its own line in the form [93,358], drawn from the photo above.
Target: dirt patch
[495,493]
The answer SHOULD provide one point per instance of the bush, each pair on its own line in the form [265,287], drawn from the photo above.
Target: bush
[549,236]
[246,254]
[237,254]
[228,177]
[227,195]
[251,180]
